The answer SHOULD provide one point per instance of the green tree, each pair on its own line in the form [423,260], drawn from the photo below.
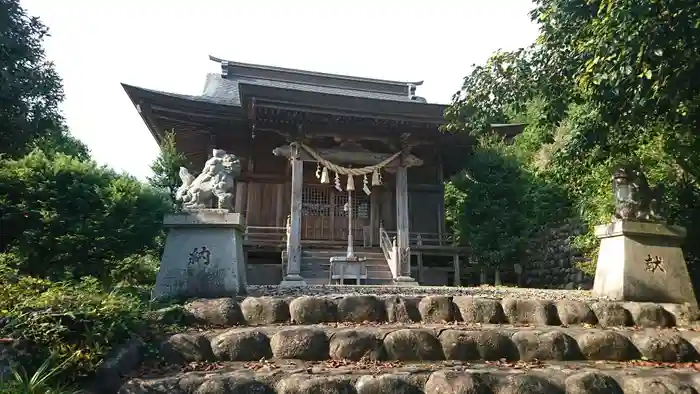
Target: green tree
[62,142]
[606,81]
[166,167]
[66,218]
[31,88]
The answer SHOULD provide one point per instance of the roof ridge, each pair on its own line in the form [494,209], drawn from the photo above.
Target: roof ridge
[315,73]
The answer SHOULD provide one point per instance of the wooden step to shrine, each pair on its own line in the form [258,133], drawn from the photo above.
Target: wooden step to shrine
[315,266]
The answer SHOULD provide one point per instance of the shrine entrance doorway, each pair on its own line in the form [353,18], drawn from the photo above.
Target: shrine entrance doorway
[324,217]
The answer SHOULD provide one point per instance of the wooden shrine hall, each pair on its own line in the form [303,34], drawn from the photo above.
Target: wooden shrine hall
[329,163]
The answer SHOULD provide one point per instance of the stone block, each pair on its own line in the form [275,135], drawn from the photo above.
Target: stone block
[311,385]
[402,309]
[640,261]
[203,255]
[356,345]
[300,343]
[451,382]
[530,311]
[479,310]
[386,384]
[665,347]
[437,309]
[185,347]
[265,310]
[606,345]
[313,310]
[591,383]
[413,345]
[489,345]
[360,309]
[575,312]
[241,345]
[221,312]
[551,345]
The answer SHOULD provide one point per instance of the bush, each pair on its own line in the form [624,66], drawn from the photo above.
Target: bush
[63,218]
[79,322]
[498,203]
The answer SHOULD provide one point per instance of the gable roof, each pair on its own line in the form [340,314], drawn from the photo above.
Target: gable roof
[224,88]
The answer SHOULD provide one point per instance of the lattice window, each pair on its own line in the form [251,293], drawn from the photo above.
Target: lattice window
[315,201]
[360,205]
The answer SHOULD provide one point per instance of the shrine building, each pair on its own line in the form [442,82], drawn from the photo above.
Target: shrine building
[309,140]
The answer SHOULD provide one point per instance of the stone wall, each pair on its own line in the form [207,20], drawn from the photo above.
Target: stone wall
[551,259]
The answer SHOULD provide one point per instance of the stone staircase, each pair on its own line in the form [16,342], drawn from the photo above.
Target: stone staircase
[315,265]
[372,340]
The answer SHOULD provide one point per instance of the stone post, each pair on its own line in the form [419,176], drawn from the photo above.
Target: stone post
[643,262]
[293,277]
[203,256]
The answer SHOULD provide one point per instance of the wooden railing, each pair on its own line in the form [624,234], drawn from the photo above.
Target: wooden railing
[426,239]
[389,249]
[265,236]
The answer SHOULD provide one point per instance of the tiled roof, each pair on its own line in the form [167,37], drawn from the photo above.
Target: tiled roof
[225,91]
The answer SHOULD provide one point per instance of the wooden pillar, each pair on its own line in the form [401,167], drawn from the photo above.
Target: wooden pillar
[458,271]
[419,259]
[293,277]
[279,218]
[402,226]
[248,190]
[441,205]
[240,198]
[373,217]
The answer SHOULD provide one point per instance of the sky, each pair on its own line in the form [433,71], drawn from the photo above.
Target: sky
[165,45]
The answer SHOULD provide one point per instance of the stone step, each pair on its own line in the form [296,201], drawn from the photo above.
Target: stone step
[378,256]
[309,260]
[371,281]
[368,377]
[322,263]
[399,308]
[357,249]
[326,269]
[327,264]
[327,258]
[432,343]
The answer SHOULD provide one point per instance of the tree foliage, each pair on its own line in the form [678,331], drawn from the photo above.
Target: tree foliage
[79,243]
[66,218]
[31,89]
[606,81]
[166,167]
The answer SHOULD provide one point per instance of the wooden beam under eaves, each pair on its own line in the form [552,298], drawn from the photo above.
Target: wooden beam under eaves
[192,114]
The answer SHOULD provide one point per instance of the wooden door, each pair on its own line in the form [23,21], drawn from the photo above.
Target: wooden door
[324,217]
[316,212]
[361,215]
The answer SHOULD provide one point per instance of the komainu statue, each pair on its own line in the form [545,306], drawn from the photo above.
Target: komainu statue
[634,198]
[215,181]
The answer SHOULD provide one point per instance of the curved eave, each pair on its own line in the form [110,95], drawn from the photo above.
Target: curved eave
[508,130]
[430,114]
[148,101]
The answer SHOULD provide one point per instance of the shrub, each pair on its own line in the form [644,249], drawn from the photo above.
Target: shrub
[78,322]
[63,218]
[498,203]
[42,381]
[166,168]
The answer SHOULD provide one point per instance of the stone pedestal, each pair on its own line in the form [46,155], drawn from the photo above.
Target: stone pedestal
[203,255]
[642,262]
